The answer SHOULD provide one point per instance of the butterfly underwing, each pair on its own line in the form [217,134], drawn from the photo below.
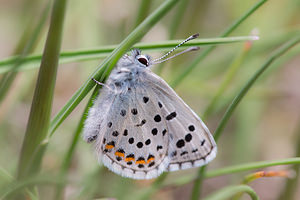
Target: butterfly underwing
[140,127]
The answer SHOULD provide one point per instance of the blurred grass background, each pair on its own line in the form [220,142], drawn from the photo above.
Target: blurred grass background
[265,126]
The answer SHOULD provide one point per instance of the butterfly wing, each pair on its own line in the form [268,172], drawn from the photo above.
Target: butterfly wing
[130,141]
[190,142]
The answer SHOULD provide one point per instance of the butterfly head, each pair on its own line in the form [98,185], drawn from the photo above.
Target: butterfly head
[139,59]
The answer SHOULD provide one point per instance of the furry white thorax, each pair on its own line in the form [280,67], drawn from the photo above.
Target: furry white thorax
[126,73]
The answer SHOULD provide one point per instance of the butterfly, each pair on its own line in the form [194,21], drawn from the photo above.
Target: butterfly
[139,125]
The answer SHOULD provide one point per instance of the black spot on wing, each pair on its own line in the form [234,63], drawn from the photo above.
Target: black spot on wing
[157,118]
[145,99]
[188,137]
[180,143]
[154,131]
[191,127]
[131,140]
[123,112]
[171,116]
[134,111]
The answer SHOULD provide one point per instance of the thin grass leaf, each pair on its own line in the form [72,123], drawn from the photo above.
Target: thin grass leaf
[16,187]
[143,11]
[39,119]
[230,191]
[228,77]
[234,169]
[236,101]
[8,78]
[177,18]
[33,61]
[69,155]
[203,55]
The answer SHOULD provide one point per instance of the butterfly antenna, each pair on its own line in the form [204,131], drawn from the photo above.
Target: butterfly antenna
[182,52]
[181,43]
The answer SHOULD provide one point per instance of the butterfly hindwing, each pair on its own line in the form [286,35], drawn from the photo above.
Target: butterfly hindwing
[190,142]
[132,143]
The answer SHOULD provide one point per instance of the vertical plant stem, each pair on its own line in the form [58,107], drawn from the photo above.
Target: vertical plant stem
[238,98]
[290,188]
[69,155]
[39,119]
[204,53]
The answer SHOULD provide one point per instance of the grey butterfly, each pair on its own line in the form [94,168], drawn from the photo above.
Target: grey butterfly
[141,127]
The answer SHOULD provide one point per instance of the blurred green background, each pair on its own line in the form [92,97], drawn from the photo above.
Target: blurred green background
[265,126]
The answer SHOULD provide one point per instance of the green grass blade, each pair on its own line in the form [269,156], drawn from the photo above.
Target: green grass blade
[69,155]
[39,119]
[8,78]
[230,191]
[143,11]
[33,61]
[234,169]
[250,83]
[16,187]
[178,16]
[229,30]
[228,77]
[239,97]
[251,166]
[110,62]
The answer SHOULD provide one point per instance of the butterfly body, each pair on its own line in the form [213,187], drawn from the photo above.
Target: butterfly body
[141,127]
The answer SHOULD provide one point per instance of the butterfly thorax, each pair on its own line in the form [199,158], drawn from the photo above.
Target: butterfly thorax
[128,72]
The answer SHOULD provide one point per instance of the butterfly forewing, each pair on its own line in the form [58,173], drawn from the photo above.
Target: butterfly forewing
[133,144]
[190,142]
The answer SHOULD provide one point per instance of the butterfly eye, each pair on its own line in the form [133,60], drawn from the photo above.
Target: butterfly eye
[143,60]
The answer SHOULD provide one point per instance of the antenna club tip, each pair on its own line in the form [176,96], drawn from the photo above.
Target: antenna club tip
[195,35]
[194,48]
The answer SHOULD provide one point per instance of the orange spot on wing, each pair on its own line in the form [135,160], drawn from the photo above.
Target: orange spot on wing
[119,154]
[129,159]
[108,146]
[149,160]
[140,162]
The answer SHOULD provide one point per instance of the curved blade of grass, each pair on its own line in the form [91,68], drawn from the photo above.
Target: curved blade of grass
[39,119]
[251,166]
[238,98]
[235,169]
[110,62]
[229,30]
[32,61]
[249,84]
[8,78]
[230,191]
[18,186]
